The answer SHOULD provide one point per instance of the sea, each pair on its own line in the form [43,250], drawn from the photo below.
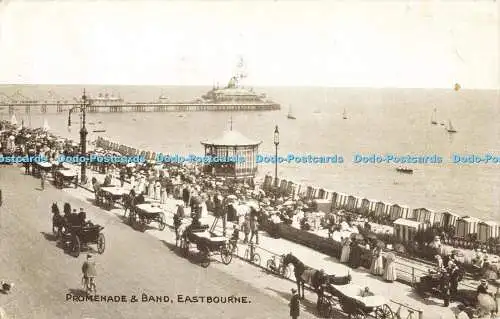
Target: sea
[379,121]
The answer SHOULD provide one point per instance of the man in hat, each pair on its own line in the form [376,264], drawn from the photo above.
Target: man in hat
[89,270]
[294,304]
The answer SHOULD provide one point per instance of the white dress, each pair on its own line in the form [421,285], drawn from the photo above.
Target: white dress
[157,190]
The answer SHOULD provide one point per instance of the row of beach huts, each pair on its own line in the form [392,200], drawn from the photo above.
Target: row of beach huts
[406,221]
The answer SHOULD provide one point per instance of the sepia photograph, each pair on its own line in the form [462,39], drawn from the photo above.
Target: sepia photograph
[263,159]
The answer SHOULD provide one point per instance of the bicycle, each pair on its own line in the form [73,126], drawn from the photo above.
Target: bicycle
[279,269]
[251,255]
[89,285]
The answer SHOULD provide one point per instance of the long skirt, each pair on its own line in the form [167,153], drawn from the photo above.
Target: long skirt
[390,271]
[344,257]
[377,266]
[157,192]
[486,303]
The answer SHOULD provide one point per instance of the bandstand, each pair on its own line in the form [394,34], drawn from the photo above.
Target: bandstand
[232,144]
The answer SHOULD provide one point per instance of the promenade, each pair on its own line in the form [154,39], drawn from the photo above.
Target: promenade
[401,293]
[133,263]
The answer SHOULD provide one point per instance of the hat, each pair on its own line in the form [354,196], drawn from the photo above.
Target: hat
[89,256]
[483,281]
[294,290]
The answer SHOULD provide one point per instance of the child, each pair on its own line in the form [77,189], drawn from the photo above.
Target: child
[236,233]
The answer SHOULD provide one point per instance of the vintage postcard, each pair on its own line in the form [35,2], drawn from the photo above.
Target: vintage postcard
[249,159]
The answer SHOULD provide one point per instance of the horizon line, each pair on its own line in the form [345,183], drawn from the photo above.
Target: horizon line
[249,86]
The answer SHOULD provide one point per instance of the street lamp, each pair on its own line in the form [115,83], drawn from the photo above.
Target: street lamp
[83,135]
[276,143]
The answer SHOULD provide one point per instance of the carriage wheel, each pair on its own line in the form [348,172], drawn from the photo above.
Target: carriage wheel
[323,307]
[359,315]
[76,246]
[256,259]
[101,243]
[384,312]
[161,221]
[205,257]
[225,255]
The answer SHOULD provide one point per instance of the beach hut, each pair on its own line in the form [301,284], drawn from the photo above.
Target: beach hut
[364,207]
[423,215]
[283,186]
[449,219]
[380,209]
[341,200]
[487,230]
[438,217]
[466,226]
[328,194]
[352,203]
[396,211]
[321,193]
[405,229]
[334,200]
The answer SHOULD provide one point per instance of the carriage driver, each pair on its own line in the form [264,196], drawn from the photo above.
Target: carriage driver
[89,270]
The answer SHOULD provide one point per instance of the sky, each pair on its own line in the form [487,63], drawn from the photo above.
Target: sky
[421,44]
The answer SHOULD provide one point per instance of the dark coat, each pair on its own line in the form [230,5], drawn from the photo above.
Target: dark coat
[295,306]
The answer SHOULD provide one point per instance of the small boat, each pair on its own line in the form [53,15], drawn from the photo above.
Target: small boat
[344,115]
[290,115]
[404,170]
[433,118]
[450,128]
[99,131]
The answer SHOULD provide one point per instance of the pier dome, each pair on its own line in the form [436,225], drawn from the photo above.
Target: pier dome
[232,144]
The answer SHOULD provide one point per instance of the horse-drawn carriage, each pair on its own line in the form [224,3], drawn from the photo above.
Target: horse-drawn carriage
[74,233]
[81,236]
[145,214]
[432,284]
[355,301]
[207,245]
[111,195]
[65,177]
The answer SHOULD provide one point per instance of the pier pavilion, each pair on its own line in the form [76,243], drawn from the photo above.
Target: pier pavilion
[231,144]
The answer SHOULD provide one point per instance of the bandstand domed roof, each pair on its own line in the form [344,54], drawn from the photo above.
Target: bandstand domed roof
[232,138]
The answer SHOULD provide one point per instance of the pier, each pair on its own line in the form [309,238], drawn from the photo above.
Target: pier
[18,103]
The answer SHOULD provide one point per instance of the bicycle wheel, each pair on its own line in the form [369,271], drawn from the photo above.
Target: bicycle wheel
[256,259]
[205,257]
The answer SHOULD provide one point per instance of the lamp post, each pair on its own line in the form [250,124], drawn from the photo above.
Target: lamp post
[276,143]
[83,135]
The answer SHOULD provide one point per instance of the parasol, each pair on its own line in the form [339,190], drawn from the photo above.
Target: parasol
[130,165]
[490,275]
[232,197]
[380,244]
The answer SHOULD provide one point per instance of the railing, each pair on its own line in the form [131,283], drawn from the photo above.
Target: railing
[409,311]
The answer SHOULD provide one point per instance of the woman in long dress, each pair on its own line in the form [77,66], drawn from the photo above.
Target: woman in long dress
[346,249]
[390,268]
[355,255]
[377,265]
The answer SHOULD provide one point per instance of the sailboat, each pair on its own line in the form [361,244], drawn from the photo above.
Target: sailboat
[344,115]
[290,115]
[433,118]
[450,128]
[46,126]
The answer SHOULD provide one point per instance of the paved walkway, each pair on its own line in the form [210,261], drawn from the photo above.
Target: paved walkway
[403,294]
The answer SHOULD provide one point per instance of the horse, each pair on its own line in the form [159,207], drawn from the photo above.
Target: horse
[57,219]
[314,278]
[128,203]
